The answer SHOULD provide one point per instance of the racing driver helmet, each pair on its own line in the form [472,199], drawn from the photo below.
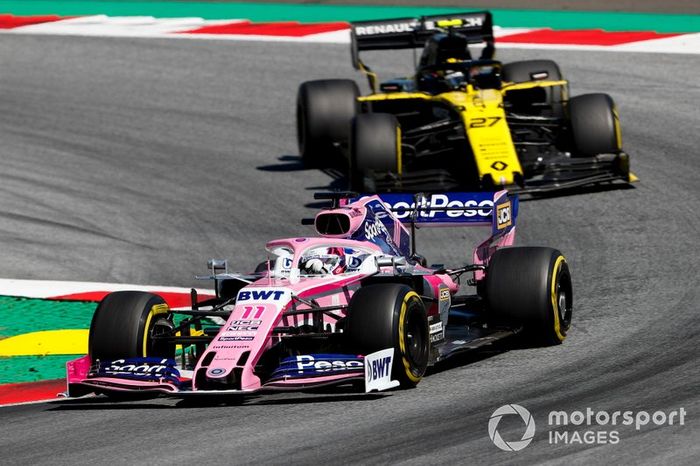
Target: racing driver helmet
[323,261]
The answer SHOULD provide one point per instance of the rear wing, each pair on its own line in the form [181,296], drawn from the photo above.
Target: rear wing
[498,210]
[411,33]
[383,218]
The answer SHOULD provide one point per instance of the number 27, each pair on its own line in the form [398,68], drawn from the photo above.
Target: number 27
[484,122]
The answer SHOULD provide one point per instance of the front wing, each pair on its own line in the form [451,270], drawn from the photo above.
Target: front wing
[564,173]
[560,174]
[375,372]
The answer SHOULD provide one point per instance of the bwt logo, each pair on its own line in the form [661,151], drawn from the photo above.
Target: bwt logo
[378,368]
[527,418]
[260,295]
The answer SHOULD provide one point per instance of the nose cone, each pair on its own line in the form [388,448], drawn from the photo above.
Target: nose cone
[228,361]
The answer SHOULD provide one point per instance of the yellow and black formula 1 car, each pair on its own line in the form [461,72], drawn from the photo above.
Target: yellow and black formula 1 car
[460,121]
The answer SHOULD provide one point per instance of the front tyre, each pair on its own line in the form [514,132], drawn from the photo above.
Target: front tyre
[391,315]
[124,324]
[595,126]
[531,286]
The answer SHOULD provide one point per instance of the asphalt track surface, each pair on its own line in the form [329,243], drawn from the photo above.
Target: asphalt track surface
[136,160]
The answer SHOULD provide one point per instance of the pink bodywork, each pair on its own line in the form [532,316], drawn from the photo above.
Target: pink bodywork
[331,290]
[249,329]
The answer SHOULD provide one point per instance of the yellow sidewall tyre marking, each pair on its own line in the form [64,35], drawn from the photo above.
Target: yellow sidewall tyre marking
[399,161]
[618,130]
[402,344]
[155,310]
[555,302]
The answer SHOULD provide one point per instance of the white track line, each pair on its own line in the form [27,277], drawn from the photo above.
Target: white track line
[50,288]
[118,26]
[36,402]
[172,28]
[687,43]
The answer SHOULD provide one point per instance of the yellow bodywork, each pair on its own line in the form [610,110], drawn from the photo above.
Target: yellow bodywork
[484,120]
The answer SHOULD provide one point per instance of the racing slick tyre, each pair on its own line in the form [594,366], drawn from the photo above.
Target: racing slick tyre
[324,111]
[531,286]
[375,146]
[124,323]
[391,315]
[595,127]
[535,70]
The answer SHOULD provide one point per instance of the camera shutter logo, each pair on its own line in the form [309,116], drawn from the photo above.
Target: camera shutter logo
[529,427]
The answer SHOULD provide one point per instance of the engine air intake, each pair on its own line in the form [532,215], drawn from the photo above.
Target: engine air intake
[333,224]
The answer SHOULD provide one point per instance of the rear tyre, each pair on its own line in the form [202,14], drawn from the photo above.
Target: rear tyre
[325,109]
[123,325]
[531,286]
[536,70]
[375,146]
[391,315]
[595,126]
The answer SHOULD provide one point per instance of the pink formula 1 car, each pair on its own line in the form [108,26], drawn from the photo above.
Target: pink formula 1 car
[354,305]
